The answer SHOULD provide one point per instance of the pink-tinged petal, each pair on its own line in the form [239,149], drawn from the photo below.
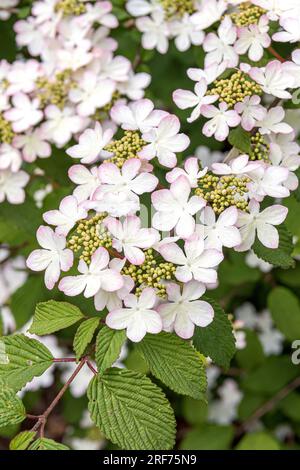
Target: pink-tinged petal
[38,260]
[211,258]
[119,319]
[114,226]
[230,236]
[178,143]
[194,247]
[183,326]
[274,215]
[268,235]
[185,226]
[111,280]
[169,126]
[131,168]
[193,290]
[79,174]
[162,200]
[201,313]
[228,217]
[173,291]
[45,238]
[66,260]
[185,99]
[147,298]
[208,276]
[72,285]
[183,274]
[144,183]
[136,330]
[208,216]
[181,189]
[52,274]
[99,260]
[172,253]
[93,284]
[248,238]
[196,204]
[167,158]
[221,169]
[165,221]
[109,173]
[134,255]
[153,322]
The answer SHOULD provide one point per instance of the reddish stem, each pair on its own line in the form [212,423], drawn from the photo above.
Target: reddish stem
[276,54]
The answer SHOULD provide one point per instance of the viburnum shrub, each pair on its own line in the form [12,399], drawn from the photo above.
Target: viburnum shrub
[133,232]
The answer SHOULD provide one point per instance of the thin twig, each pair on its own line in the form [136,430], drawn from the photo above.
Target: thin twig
[276,54]
[64,359]
[91,367]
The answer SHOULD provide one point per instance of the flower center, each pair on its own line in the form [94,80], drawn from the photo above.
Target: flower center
[223,191]
[70,7]
[151,273]
[125,148]
[55,92]
[6,132]
[89,234]
[247,14]
[177,8]
[235,88]
[260,148]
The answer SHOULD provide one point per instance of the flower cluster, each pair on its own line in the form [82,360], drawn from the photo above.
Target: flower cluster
[7,7]
[72,79]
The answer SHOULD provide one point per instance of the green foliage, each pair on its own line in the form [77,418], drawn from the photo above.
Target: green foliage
[22,359]
[285,309]
[84,335]
[258,441]
[234,271]
[194,411]
[47,444]
[22,440]
[282,255]
[12,410]
[108,347]
[240,139]
[252,355]
[131,411]
[53,316]
[290,406]
[175,362]
[208,437]
[216,340]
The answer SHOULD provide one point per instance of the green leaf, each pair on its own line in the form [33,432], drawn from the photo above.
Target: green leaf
[22,359]
[108,347]
[234,271]
[274,374]
[194,411]
[131,411]
[24,300]
[84,335]
[285,310]
[280,257]
[12,410]
[249,404]
[208,437]
[216,340]
[22,440]
[47,444]
[53,316]
[175,362]
[252,355]
[258,441]
[290,406]
[240,139]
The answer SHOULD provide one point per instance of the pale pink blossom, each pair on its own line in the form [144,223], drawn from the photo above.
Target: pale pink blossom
[191,171]
[221,119]
[237,166]
[219,47]
[12,186]
[221,231]
[139,115]
[291,30]
[251,111]
[87,181]
[272,122]
[24,114]
[268,181]
[66,217]
[274,79]
[91,144]
[254,39]
[61,124]
[10,158]
[33,145]
[185,99]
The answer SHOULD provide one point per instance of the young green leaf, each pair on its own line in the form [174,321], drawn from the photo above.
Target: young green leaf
[108,347]
[285,310]
[258,441]
[22,440]
[53,316]
[131,411]
[280,257]
[12,410]
[84,335]
[175,362]
[22,359]
[216,340]
[240,139]
[47,444]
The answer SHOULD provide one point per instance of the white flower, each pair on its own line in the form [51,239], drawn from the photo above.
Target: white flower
[219,48]
[251,111]
[12,186]
[185,99]
[220,232]
[224,410]
[254,39]
[87,180]
[261,223]
[91,143]
[24,114]
[129,237]
[134,87]
[164,141]
[53,257]
[209,11]
[184,310]
[33,145]
[93,277]
[277,8]
[66,217]
[291,30]
[221,119]
[138,317]
[139,115]
[254,261]
[272,122]
[191,171]
[175,208]
[91,93]
[207,156]
[186,33]
[10,158]
[268,181]
[237,166]
[61,124]
[274,79]
[142,7]
[195,262]
[155,31]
